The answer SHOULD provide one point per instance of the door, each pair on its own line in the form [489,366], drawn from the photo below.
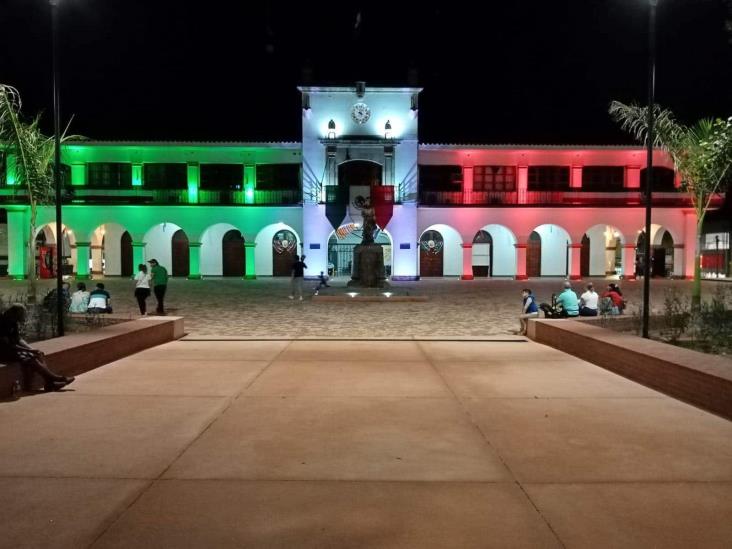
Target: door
[585,256]
[284,250]
[431,254]
[181,260]
[533,255]
[232,249]
[658,266]
[482,254]
[126,259]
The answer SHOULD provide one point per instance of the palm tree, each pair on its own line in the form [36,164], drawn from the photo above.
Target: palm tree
[34,153]
[702,154]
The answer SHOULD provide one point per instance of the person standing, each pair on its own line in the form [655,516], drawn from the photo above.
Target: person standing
[589,301]
[159,276]
[142,288]
[298,273]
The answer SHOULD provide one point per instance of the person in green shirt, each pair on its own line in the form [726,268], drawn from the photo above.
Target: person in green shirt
[568,301]
[159,276]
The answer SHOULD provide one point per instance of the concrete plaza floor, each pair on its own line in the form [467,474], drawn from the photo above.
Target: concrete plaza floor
[361,444]
[260,309]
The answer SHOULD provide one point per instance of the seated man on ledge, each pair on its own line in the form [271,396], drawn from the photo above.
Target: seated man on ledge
[568,301]
[14,349]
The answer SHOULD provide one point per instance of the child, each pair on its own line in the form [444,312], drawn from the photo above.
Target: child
[529,310]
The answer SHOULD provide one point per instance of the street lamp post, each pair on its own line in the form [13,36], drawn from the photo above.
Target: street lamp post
[57,168]
[649,164]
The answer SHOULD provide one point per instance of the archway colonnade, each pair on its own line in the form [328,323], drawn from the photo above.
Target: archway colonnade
[188,241]
[572,243]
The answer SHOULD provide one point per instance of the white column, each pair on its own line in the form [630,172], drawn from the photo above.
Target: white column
[690,244]
[467,262]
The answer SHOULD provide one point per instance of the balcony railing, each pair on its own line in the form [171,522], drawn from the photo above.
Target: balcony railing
[555,198]
[81,195]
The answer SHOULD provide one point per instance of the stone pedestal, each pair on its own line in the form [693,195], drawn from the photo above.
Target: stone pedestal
[368,267]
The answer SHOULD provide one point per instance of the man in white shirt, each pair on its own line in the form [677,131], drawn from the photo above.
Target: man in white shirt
[588,302]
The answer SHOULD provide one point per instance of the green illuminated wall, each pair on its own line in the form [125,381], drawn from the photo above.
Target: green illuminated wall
[10,175]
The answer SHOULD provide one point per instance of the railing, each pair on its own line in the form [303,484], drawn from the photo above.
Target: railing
[81,195]
[556,198]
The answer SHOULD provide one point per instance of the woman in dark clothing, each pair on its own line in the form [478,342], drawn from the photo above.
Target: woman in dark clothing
[14,349]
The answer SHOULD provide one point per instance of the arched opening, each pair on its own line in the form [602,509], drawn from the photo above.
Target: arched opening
[284,250]
[663,256]
[106,250]
[45,251]
[602,252]
[500,243]
[362,173]
[340,251]
[533,255]
[276,245]
[555,252]
[482,254]
[127,266]
[180,254]
[233,254]
[585,256]
[431,254]
[662,252]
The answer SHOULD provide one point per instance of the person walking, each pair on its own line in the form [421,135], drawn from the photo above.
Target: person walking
[142,288]
[298,273]
[159,276]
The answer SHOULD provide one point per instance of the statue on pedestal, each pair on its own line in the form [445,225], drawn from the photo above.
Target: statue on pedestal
[368,257]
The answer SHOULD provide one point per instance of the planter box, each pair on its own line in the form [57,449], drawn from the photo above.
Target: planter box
[78,353]
[697,378]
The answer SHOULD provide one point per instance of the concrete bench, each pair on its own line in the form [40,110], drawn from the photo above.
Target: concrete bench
[78,353]
[697,378]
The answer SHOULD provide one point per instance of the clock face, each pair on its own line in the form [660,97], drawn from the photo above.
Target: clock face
[360,113]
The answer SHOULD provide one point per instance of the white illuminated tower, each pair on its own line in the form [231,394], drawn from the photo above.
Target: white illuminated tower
[346,132]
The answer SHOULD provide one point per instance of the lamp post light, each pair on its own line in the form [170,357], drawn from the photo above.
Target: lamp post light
[331,129]
[649,163]
[57,167]
[387,130]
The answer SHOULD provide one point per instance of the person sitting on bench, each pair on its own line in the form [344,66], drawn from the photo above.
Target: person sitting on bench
[99,300]
[14,349]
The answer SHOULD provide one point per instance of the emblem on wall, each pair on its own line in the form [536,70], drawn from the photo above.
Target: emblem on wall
[284,241]
[432,242]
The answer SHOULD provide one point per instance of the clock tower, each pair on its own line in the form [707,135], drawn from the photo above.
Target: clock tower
[354,139]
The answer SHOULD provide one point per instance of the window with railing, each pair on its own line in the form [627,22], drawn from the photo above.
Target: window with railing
[548,178]
[440,178]
[165,176]
[603,178]
[494,178]
[109,175]
[278,177]
[663,179]
[222,177]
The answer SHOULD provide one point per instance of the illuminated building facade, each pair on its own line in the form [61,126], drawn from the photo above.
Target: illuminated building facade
[245,209]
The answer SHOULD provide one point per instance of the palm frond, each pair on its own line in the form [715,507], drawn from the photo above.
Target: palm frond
[633,118]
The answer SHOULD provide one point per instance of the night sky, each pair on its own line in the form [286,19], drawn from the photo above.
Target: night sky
[493,72]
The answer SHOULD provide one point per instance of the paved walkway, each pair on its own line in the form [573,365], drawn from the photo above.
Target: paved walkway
[361,444]
[260,308]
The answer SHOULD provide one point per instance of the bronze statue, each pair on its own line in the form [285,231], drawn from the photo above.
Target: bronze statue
[368,213]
